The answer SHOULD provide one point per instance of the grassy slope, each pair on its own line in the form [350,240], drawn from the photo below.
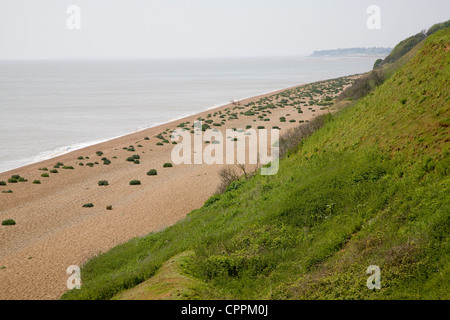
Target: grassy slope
[370,187]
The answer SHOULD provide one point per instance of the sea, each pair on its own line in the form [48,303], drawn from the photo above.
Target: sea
[48,108]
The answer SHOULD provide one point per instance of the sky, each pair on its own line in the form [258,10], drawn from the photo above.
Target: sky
[147,29]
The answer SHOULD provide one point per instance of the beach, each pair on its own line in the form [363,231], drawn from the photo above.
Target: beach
[54,231]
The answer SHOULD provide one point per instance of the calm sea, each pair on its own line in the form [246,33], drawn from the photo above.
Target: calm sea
[48,108]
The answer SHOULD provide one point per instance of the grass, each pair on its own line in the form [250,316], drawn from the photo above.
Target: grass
[369,187]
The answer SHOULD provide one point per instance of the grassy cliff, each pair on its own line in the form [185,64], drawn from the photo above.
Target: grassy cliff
[371,187]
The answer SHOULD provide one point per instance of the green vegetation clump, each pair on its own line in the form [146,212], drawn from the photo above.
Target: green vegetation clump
[68,167]
[135,182]
[8,222]
[103,183]
[99,153]
[2,183]
[152,172]
[53,171]
[7,191]
[167,165]
[88,205]
[36,182]
[369,187]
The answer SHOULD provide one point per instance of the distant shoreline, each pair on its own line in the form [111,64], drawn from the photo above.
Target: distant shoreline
[352,52]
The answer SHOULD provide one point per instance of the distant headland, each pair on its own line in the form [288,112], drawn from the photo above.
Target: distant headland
[348,52]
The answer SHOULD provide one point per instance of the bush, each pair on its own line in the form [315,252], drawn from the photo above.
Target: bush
[99,153]
[88,205]
[37,181]
[53,171]
[8,222]
[152,172]
[68,167]
[109,207]
[2,183]
[135,182]
[167,165]
[16,176]
[103,183]
[12,180]
[45,175]
[7,191]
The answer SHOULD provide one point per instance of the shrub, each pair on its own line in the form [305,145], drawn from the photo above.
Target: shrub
[99,153]
[68,167]
[80,158]
[7,191]
[90,164]
[152,172]
[2,183]
[146,138]
[109,207]
[103,183]
[88,205]
[8,222]
[16,176]
[136,161]
[53,171]
[135,182]
[12,180]
[159,144]
[37,182]
[167,165]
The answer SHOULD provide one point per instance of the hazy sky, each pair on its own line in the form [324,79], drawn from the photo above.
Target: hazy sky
[36,29]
